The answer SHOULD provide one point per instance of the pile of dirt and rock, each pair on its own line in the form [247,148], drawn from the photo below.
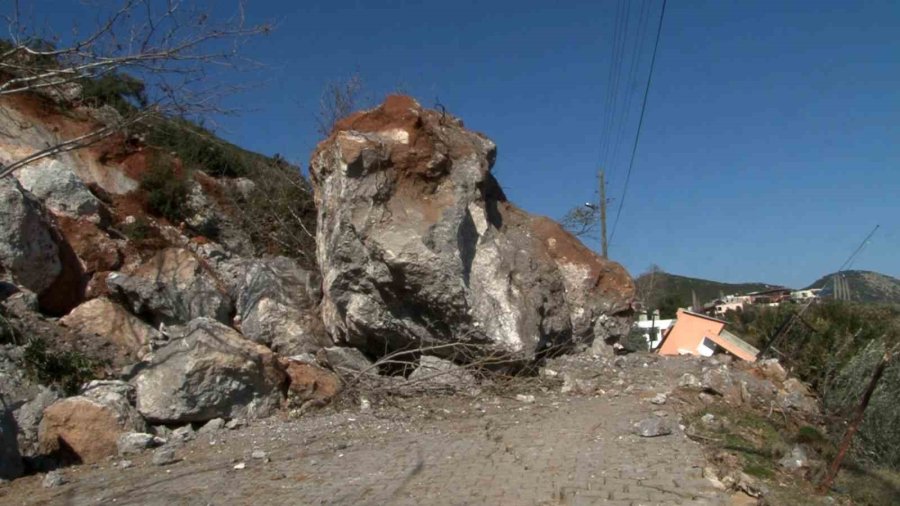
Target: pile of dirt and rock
[124,329]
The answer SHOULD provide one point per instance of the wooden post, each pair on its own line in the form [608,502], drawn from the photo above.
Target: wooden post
[825,486]
[603,245]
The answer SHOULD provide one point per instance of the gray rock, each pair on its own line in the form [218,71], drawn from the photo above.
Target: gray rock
[653,427]
[439,372]
[659,399]
[688,380]
[60,189]
[54,479]
[136,442]
[795,460]
[28,417]
[419,245]
[184,433]
[278,305]
[235,424]
[164,456]
[258,454]
[343,359]
[27,247]
[214,425]
[172,288]
[209,371]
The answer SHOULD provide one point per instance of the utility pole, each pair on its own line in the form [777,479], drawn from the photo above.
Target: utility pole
[603,243]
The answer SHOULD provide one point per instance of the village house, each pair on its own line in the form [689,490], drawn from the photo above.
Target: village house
[698,334]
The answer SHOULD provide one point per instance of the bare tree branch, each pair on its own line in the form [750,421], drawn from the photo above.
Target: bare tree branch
[172,47]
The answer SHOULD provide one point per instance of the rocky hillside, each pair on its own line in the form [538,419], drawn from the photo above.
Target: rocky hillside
[865,286]
[162,279]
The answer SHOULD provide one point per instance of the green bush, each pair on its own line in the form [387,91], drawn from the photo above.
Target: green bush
[121,91]
[167,190]
[68,369]
[198,148]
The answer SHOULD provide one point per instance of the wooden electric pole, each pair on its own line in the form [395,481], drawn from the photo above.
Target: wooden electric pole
[603,244]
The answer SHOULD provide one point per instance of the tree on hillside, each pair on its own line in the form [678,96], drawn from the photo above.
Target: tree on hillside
[581,221]
[146,58]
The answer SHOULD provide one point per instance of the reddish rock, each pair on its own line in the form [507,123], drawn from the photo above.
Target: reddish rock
[87,427]
[311,383]
[112,323]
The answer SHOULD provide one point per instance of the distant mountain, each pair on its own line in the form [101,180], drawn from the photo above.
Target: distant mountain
[864,286]
[671,291]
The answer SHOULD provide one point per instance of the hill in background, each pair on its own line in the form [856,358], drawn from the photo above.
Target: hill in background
[668,292]
[865,286]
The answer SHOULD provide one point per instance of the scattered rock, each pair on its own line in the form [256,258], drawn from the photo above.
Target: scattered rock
[136,442]
[797,459]
[234,424]
[439,372]
[54,479]
[527,399]
[164,456]
[207,371]
[659,399]
[240,465]
[87,427]
[184,433]
[214,425]
[771,369]
[653,427]
[409,216]
[258,454]
[688,380]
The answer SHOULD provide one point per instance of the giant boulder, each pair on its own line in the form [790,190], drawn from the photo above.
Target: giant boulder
[209,371]
[418,245]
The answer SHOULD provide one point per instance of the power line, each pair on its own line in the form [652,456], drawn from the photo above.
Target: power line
[640,122]
[859,249]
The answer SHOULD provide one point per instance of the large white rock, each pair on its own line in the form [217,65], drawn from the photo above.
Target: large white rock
[418,245]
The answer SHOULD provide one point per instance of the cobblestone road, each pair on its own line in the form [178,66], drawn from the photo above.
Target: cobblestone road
[568,450]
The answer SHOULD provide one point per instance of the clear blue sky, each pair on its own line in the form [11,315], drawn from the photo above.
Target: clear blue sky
[771,141]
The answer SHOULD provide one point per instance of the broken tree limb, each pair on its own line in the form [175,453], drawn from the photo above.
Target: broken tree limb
[825,486]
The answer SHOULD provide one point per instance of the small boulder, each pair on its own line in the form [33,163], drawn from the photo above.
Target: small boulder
[28,417]
[164,456]
[436,371]
[136,442]
[87,427]
[688,380]
[104,318]
[795,460]
[344,360]
[309,382]
[54,479]
[653,427]
[207,371]
[771,369]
